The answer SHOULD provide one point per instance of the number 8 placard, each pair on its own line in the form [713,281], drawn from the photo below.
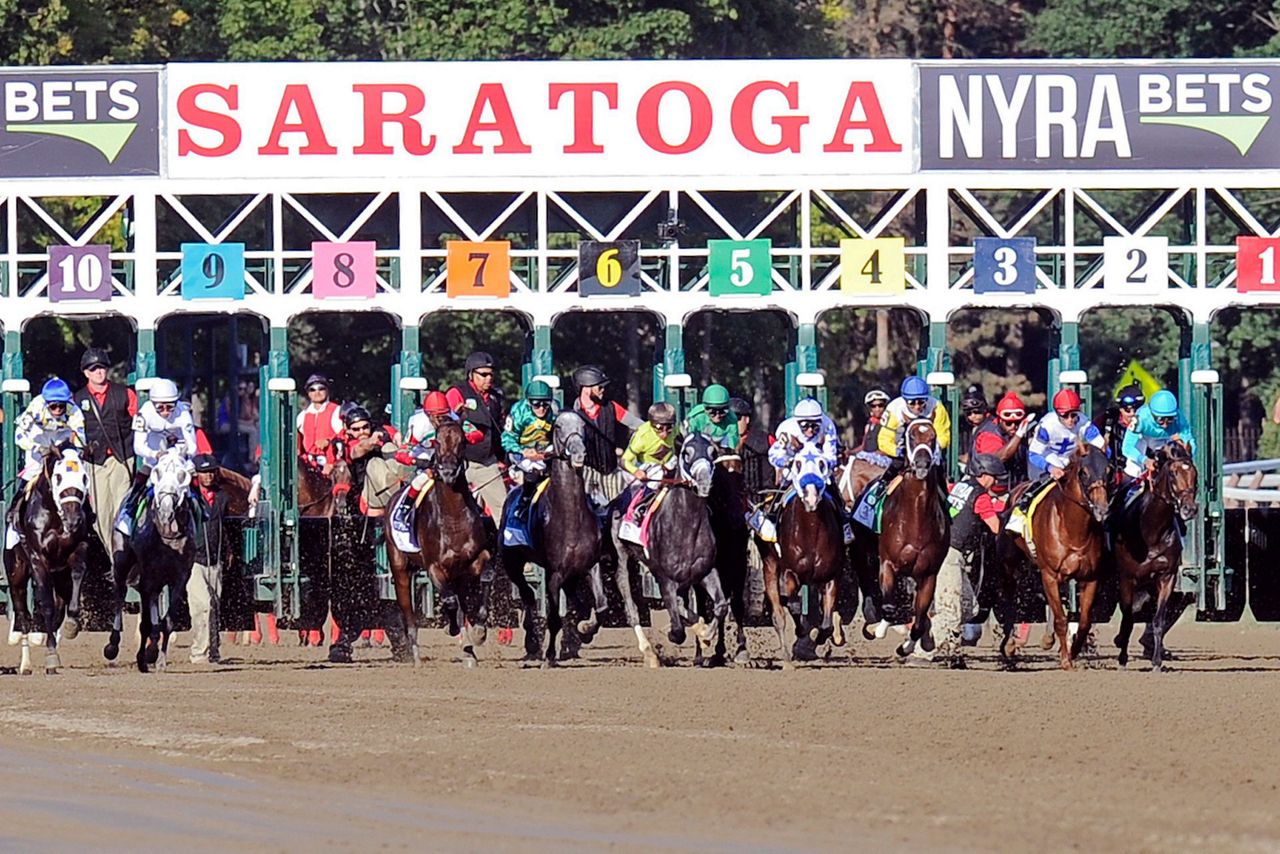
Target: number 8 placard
[1135,265]
[344,270]
[212,271]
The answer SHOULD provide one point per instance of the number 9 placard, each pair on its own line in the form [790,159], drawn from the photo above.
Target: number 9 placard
[344,270]
[1135,265]
[1004,265]
[212,271]
[609,269]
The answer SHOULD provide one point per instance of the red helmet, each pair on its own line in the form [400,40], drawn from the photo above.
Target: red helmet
[1066,401]
[435,404]
[1010,407]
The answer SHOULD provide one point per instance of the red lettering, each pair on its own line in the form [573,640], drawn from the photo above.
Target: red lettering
[862,92]
[298,95]
[493,96]
[376,118]
[191,113]
[744,130]
[699,117]
[584,112]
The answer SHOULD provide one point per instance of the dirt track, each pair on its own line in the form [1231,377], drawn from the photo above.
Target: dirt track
[277,750]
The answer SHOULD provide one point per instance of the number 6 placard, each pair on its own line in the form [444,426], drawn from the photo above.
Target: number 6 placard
[344,270]
[609,269]
[1135,265]
[478,269]
[212,271]
[79,273]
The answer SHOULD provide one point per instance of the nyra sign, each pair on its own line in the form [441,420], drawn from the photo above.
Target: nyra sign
[540,119]
[1165,115]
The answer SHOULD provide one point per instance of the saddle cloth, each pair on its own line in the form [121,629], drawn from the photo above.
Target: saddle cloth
[870,506]
[637,530]
[1020,520]
[516,530]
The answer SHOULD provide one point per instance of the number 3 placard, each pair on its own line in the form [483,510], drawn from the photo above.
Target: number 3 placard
[212,271]
[79,273]
[344,270]
[478,269]
[1004,265]
[1135,265]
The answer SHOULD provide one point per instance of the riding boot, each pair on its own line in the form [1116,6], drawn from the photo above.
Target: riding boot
[129,507]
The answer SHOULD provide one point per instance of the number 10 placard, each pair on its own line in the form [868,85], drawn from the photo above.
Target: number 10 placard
[79,273]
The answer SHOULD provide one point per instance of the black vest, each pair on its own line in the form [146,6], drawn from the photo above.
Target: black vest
[487,418]
[966,527]
[603,435]
[1017,464]
[108,428]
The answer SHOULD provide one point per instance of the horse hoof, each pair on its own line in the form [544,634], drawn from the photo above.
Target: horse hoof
[703,632]
[70,628]
[36,638]
[677,635]
[110,651]
[803,650]
[787,665]
[152,654]
[926,642]
[142,665]
[837,631]
[52,663]
[469,662]
[549,663]
[1122,663]
[479,634]
[743,657]
[587,630]
[651,660]
[1047,641]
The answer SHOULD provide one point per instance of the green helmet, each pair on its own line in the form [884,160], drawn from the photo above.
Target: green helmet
[715,395]
[537,390]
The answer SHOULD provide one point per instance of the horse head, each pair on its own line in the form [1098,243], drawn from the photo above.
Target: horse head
[450,443]
[340,477]
[697,462]
[921,440]
[70,482]
[1091,466]
[171,484]
[1176,480]
[569,438]
[811,473]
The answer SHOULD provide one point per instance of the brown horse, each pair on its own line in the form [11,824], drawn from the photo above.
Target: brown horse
[455,544]
[322,494]
[237,487]
[1069,536]
[916,532]
[810,550]
[1147,542]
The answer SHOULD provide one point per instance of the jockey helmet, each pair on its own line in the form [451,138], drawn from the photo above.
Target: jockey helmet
[164,391]
[715,395]
[807,408]
[974,400]
[1066,401]
[94,357]
[56,391]
[436,403]
[662,414]
[537,390]
[914,387]
[739,407]
[317,379]
[355,415]
[1164,404]
[1010,407]
[990,464]
[477,360]
[589,375]
[1131,395]
[205,462]
[875,396]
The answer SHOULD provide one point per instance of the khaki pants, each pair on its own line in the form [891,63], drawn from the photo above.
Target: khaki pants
[108,484]
[487,483]
[204,592]
[954,602]
[381,478]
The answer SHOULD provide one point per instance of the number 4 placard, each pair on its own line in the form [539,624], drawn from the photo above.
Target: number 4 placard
[478,269]
[79,273]
[738,267]
[875,266]
[1256,259]
[344,270]
[1135,265]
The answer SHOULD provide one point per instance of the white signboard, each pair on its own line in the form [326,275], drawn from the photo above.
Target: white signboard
[540,119]
[1135,265]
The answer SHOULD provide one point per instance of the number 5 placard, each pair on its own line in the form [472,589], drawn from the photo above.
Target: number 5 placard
[79,273]
[876,266]
[478,269]
[736,267]
[344,270]
[212,271]
[1135,265]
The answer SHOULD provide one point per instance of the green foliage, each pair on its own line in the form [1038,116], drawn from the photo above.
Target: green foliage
[1148,28]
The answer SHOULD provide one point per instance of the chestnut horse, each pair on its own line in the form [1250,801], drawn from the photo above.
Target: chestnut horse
[321,494]
[1069,536]
[1148,543]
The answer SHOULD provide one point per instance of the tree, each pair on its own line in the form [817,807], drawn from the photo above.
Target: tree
[1148,28]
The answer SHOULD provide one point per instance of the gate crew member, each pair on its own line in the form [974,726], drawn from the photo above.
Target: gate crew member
[483,407]
[373,477]
[876,402]
[609,427]
[319,424]
[204,587]
[1005,437]
[711,417]
[108,409]
[976,412]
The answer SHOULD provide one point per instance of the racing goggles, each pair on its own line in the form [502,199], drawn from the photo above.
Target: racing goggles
[917,402]
[717,410]
[1012,416]
[540,403]
[810,424]
[1164,420]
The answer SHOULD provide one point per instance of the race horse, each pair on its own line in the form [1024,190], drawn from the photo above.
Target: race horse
[566,543]
[915,533]
[728,506]
[810,550]
[54,540]
[455,544]
[320,493]
[681,551]
[1146,538]
[160,554]
[1068,543]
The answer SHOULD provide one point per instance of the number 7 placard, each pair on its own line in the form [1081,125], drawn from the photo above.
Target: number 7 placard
[478,268]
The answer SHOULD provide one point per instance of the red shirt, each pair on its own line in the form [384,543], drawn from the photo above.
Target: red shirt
[987,443]
[202,442]
[988,506]
[592,410]
[100,397]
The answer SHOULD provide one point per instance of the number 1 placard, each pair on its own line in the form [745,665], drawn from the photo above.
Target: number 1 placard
[212,271]
[1135,265]
[1256,259]
[344,270]
[478,269]
[79,273]
[876,266]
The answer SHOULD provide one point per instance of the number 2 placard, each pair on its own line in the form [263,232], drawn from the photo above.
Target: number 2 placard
[344,270]
[79,273]
[212,271]
[478,269]
[1135,265]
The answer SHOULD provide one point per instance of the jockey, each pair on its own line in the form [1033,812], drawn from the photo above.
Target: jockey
[807,426]
[48,413]
[162,422]
[1155,425]
[876,400]
[1005,437]
[526,439]
[650,455]
[319,424]
[913,401]
[1057,436]
[711,418]
[420,453]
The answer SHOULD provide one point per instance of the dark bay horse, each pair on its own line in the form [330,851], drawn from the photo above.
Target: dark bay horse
[1147,542]
[915,533]
[1069,537]
[160,554]
[321,494]
[455,544]
[566,542]
[728,506]
[810,550]
[54,530]
[681,552]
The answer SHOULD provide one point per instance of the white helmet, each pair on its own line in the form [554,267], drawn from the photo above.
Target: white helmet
[164,391]
[808,408]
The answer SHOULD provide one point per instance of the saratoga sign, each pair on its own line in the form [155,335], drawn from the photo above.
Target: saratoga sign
[540,119]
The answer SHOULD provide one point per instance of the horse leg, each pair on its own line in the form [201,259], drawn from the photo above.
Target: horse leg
[623,576]
[595,582]
[19,573]
[738,603]
[144,632]
[832,625]
[404,644]
[1054,595]
[671,596]
[777,609]
[921,626]
[719,616]
[528,604]
[48,610]
[553,618]
[71,625]
[120,573]
[1163,592]
[1126,619]
[1087,592]
[475,600]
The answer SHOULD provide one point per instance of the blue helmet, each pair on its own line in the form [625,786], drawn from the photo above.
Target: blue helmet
[56,391]
[1163,404]
[914,387]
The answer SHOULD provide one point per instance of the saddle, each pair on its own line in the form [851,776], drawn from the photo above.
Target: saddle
[1024,511]
[867,512]
[517,529]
